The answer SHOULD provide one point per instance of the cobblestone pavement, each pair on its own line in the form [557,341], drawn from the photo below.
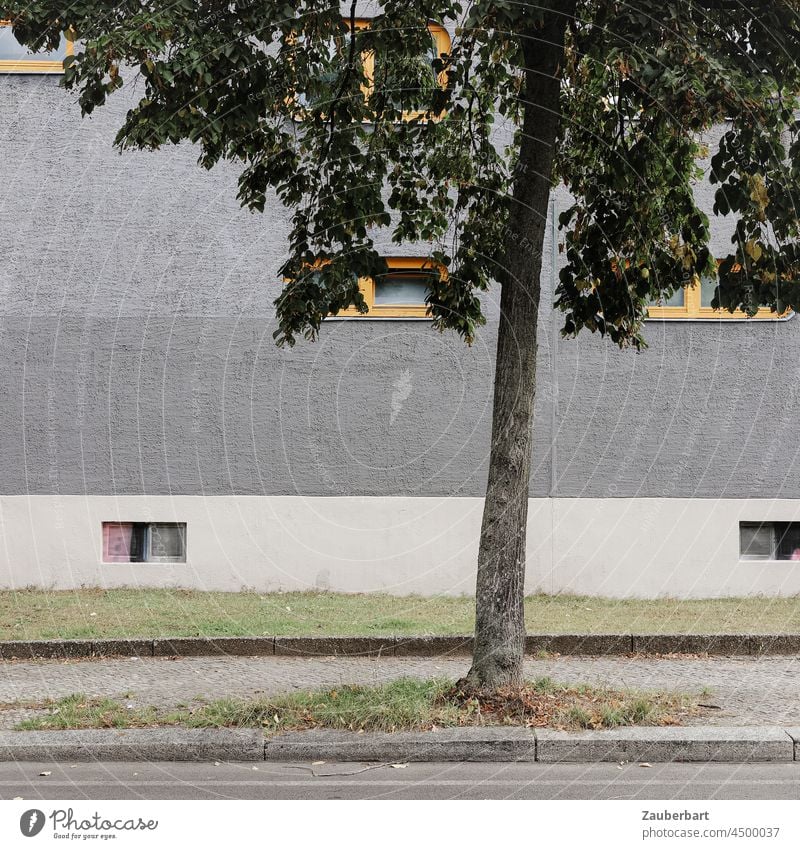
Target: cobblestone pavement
[749,691]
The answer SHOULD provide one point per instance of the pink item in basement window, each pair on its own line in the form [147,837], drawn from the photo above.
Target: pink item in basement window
[117,538]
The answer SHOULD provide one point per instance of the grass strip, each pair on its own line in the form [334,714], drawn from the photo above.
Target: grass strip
[149,613]
[406,704]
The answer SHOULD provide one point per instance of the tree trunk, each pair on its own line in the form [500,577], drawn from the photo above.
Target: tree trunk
[500,621]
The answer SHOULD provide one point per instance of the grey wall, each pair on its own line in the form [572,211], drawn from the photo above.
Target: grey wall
[136,356]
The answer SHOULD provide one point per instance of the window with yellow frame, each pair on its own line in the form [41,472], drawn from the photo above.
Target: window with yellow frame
[400,293]
[15,58]
[694,302]
[440,43]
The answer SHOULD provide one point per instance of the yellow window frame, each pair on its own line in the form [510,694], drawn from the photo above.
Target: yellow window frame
[441,38]
[34,66]
[367,287]
[693,309]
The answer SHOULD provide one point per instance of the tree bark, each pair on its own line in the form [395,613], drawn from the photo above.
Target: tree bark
[500,622]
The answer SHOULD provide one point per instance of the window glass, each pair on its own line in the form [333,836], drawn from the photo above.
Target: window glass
[708,288]
[123,542]
[167,542]
[333,56]
[12,51]
[678,299]
[755,541]
[787,535]
[411,75]
[117,542]
[401,289]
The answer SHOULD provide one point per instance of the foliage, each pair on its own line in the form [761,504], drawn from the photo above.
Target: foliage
[640,97]
[285,90]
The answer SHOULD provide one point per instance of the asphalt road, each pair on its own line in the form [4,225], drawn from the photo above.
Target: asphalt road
[414,781]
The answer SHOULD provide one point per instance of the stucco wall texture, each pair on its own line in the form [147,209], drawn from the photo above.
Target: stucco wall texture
[136,356]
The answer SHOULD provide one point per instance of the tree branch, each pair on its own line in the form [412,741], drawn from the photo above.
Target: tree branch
[351,58]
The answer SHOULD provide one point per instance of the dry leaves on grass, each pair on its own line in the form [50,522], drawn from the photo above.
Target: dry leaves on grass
[543,704]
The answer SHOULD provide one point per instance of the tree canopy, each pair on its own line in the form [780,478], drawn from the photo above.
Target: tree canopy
[357,125]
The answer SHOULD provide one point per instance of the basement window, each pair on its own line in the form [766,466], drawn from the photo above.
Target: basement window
[769,540]
[144,542]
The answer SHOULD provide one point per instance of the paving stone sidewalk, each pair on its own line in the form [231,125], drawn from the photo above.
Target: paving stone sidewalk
[749,691]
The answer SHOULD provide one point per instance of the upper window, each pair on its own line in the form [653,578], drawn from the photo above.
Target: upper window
[338,52]
[695,302]
[400,293]
[440,43]
[15,58]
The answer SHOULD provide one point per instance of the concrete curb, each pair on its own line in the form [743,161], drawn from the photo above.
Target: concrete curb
[412,646]
[651,745]
[447,744]
[662,745]
[140,744]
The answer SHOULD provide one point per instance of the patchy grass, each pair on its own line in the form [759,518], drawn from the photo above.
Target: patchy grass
[543,703]
[403,705]
[80,711]
[87,613]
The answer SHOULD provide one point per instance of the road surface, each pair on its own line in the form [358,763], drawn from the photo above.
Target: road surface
[414,781]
